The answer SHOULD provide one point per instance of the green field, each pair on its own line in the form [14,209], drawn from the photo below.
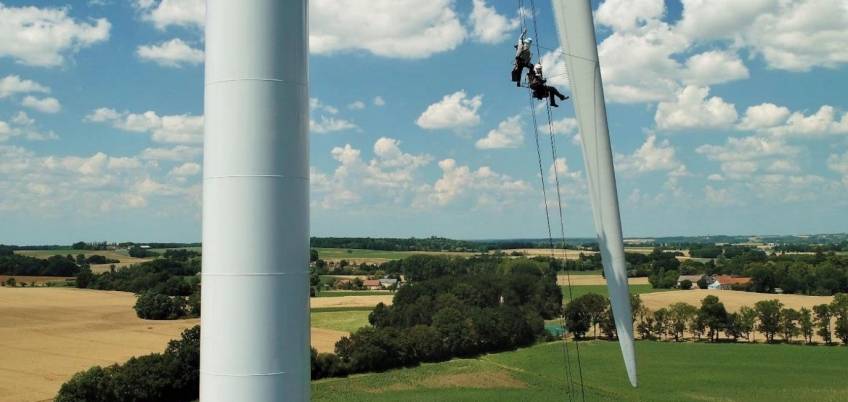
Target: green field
[354,253]
[667,372]
[581,290]
[345,320]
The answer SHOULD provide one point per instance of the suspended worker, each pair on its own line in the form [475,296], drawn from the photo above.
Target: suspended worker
[540,90]
[523,57]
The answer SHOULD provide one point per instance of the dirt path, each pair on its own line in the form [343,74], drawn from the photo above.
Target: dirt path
[350,301]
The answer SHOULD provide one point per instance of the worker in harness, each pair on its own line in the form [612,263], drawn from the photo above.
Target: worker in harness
[523,57]
[541,91]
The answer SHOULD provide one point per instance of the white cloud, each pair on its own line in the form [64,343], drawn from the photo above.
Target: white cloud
[783,166]
[13,84]
[692,110]
[719,196]
[388,28]
[186,169]
[486,187]
[741,157]
[566,125]
[24,127]
[626,15]
[388,177]
[714,67]
[173,53]
[165,13]
[43,105]
[715,177]
[356,105]
[560,169]
[508,134]
[790,35]
[178,153]
[489,26]
[177,129]
[329,124]
[651,157]
[823,122]
[839,164]
[764,115]
[378,101]
[46,36]
[454,111]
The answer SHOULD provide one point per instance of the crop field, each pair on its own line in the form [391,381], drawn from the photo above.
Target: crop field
[38,280]
[667,372]
[732,300]
[349,301]
[376,256]
[580,290]
[345,293]
[120,255]
[581,280]
[48,334]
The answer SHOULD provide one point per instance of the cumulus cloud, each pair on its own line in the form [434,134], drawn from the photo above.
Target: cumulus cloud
[823,122]
[714,67]
[178,129]
[627,15]
[46,36]
[651,157]
[23,126]
[329,124]
[379,101]
[553,68]
[356,105]
[508,134]
[692,110]
[454,111]
[388,177]
[177,153]
[789,35]
[13,84]
[740,157]
[764,115]
[839,164]
[486,187]
[165,13]
[43,105]
[186,169]
[489,26]
[385,28]
[172,53]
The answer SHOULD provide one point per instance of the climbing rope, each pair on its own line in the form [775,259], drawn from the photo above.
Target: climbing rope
[569,374]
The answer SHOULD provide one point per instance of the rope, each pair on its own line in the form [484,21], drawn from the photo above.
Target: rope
[559,209]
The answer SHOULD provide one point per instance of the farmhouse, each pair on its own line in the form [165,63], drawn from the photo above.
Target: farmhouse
[372,284]
[388,283]
[726,282]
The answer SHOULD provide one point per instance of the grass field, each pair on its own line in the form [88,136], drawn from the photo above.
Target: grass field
[667,372]
[345,320]
[581,290]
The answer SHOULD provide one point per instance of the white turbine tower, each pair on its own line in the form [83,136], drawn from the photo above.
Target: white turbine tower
[577,36]
[255,297]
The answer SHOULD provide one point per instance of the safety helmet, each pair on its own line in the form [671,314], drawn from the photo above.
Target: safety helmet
[528,41]
[538,69]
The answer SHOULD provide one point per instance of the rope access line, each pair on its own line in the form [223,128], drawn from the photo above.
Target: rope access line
[569,375]
[559,204]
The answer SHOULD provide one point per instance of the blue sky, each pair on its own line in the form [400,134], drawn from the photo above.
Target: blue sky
[726,117]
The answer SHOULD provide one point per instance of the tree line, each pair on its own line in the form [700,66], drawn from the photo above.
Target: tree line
[56,265]
[167,288]
[710,320]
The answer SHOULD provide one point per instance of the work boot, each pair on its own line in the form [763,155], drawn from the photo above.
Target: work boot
[553,104]
[562,97]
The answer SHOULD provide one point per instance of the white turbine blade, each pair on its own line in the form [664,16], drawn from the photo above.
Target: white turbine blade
[577,36]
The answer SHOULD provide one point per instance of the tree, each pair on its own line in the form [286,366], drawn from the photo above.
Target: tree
[733,329]
[157,306]
[823,318]
[313,255]
[839,309]
[685,284]
[788,323]
[661,320]
[680,315]
[714,316]
[702,283]
[577,318]
[806,323]
[747,321]
[768,312]
[85,277]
